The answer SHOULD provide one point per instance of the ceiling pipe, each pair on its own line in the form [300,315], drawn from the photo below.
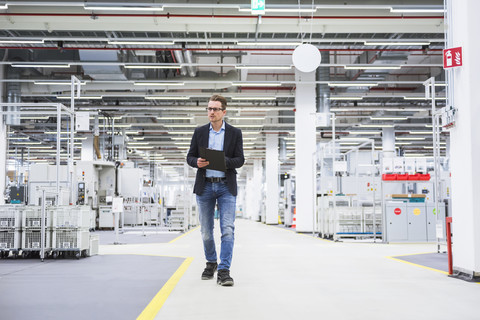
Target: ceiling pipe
[179,57]
[214,49]
[210,16]
[192,70]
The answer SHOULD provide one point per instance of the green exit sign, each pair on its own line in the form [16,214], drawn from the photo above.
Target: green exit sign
[258,6]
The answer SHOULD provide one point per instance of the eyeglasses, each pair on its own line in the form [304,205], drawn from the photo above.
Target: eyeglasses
[214,109]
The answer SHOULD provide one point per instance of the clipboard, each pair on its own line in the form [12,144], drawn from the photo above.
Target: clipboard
[215,157]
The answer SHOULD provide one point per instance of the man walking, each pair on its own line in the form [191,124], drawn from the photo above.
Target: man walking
[217,187]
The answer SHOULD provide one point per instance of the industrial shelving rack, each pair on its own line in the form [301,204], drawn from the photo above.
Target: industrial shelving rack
[10,234]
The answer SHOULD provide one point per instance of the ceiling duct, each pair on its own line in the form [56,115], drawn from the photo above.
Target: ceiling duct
[14,93]
[179,57]
[323,90]
[192,71]
[101,72]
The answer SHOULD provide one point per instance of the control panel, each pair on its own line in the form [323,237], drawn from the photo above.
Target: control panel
[81,193]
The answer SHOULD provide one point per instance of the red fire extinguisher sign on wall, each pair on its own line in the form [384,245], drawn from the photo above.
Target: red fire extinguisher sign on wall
[452,57]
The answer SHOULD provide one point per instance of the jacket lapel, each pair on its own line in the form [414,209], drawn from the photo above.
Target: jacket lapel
[206,135]
[227,142]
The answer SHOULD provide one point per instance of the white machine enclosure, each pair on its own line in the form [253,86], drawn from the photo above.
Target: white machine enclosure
[44,177]
[412,221]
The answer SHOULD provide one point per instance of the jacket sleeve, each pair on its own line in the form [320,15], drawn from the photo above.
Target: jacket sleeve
[192,154]
[238,159]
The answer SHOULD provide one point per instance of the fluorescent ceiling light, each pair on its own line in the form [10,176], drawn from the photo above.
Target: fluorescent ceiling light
[3,6]
[183,138]
[349,143]
[82,97]
[21,41]
[423,98]
[354,139]
[414,154]
[420,132]
[283,67]
[182,132]
[32,142]
[416,10]
[55,132]
[371,67]
[431,126]
[138,138]
[258,84]
[139,66]
[185,125]
[175,118]
[293,10]
[182,143]
[138,83]
[123,8]
[284,43]
[33,118]
[59,83]
[254,98]
[376,125]
[396,43]
[37,65]
[408,138]
[246,118]
[345,98]
[432,147]
[138,143]
[352,84]
[141,42]
[364,132]
[167,98]
[402,143]
[389,118]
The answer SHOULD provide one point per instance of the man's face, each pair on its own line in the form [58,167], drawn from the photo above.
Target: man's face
[215,113]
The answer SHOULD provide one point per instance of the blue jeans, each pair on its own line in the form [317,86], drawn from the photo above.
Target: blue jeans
[213,193]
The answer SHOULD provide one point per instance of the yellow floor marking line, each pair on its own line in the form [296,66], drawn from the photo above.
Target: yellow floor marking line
[412,254]
[417,265]
[183,235]
[157,302]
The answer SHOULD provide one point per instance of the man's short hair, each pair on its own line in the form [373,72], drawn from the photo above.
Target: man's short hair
[221,99]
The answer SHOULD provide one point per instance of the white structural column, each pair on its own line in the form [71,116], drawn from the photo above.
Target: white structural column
[254,191]
[3,143]
[249,197]
[388,142]
[271,177]
[305,146]
[465,142]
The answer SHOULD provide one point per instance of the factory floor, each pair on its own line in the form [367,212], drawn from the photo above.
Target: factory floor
[278,274]
[283,275]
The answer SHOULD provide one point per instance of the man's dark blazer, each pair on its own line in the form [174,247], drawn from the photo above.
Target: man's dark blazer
[233,148]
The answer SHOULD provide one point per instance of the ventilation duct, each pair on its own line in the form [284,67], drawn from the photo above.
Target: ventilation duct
[179,57]
[101,72]
[323,90]
[192,71]
[13,90]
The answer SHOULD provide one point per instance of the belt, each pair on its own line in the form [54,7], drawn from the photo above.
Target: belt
[215,179]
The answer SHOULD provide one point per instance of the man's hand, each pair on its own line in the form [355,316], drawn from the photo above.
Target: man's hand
[202,163]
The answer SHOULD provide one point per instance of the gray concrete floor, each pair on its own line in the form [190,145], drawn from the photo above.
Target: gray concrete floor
[100,287]
[435,260]
[283,275]
[137,235]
